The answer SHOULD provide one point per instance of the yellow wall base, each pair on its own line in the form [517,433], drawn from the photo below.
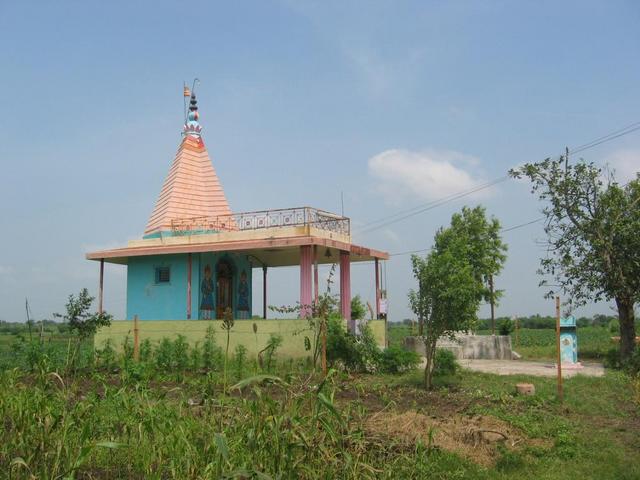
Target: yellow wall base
[292,331]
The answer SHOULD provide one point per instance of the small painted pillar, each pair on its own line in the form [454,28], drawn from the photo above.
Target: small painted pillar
[264,292]
[315,275]
[345,289]
[377,288]
[101,288]
[188,286]
[305,280]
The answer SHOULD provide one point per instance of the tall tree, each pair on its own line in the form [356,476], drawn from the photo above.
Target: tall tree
[592,225]
[484,249]
[452,279]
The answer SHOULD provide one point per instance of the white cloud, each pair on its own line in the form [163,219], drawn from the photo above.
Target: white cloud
[626,164]
[427,175]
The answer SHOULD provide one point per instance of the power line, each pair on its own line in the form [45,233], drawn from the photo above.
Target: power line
[522,225]
[432,202]
[611,136]
[404,214]
[435,204]
[515,227]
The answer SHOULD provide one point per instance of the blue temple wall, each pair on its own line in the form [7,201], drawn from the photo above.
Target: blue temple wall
[151,300]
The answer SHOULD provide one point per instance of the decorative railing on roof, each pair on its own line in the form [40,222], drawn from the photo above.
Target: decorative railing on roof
[285,217]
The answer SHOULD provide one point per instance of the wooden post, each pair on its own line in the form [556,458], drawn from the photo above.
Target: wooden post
[559,359]
[101,290]
[188,286]
[136,339]
[493,315]
[517,332]
[264,292]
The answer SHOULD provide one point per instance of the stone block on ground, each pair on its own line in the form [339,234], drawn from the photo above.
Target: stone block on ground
[525,389]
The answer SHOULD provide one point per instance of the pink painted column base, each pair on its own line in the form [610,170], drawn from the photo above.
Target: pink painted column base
[306,261]
[345,290]
[377,288]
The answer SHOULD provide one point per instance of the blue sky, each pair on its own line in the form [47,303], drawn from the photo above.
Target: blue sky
[393,103]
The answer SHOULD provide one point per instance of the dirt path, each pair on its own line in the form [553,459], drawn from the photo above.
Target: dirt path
[538,369]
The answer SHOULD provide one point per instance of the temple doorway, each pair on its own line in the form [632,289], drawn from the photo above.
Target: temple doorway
[224,287]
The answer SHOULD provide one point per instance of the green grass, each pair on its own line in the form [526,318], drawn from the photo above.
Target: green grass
[167,417]
[397,332]
[593,343]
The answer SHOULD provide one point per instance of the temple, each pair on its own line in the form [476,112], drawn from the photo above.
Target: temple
[196,259]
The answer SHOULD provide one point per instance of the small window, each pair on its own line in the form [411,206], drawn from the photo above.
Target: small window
[163,275]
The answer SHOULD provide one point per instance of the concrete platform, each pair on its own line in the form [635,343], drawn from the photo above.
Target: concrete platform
[538,369]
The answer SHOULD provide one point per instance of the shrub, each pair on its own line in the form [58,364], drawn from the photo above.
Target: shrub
[633,364]
[398,360]
[164,354]
[180,352]
[146,350]
[195,357]
[612,358]
[358,309]
[505,326]
[340,345]
[269,352]
[355,353]
[240,359]
[211,352]
[107,355]
[445,363]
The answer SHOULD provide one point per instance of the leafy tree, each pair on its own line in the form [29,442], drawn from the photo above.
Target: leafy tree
[592,225]
[80,320]
[449,293]
[485,250]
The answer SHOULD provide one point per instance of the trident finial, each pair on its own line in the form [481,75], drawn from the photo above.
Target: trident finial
[191,125]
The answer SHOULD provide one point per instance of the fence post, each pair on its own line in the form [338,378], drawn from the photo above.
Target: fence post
[559,359]
[136,339]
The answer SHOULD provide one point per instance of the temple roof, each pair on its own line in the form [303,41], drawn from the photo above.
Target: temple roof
[192,215]
[192,188]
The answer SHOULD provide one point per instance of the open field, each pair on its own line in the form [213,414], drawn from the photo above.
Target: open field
[135,423]
[593,342]
[171,416]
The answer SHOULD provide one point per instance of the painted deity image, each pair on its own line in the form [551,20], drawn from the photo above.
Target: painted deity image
[243,296]
[206,293]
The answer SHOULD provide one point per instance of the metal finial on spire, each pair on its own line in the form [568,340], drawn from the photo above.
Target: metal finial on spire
[191,125]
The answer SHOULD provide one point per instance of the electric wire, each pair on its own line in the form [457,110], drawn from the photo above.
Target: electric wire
[407,213]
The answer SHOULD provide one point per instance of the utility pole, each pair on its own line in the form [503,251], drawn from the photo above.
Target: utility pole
[493,313]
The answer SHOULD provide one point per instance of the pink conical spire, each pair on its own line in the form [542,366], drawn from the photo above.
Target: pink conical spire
[192,188]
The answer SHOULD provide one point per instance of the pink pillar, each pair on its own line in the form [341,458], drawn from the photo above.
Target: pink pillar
[377,289]
[306,260]
[264,292]
[315,274]
[345,289]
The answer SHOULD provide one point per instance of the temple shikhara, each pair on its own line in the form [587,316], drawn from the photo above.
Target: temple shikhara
[197,258]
